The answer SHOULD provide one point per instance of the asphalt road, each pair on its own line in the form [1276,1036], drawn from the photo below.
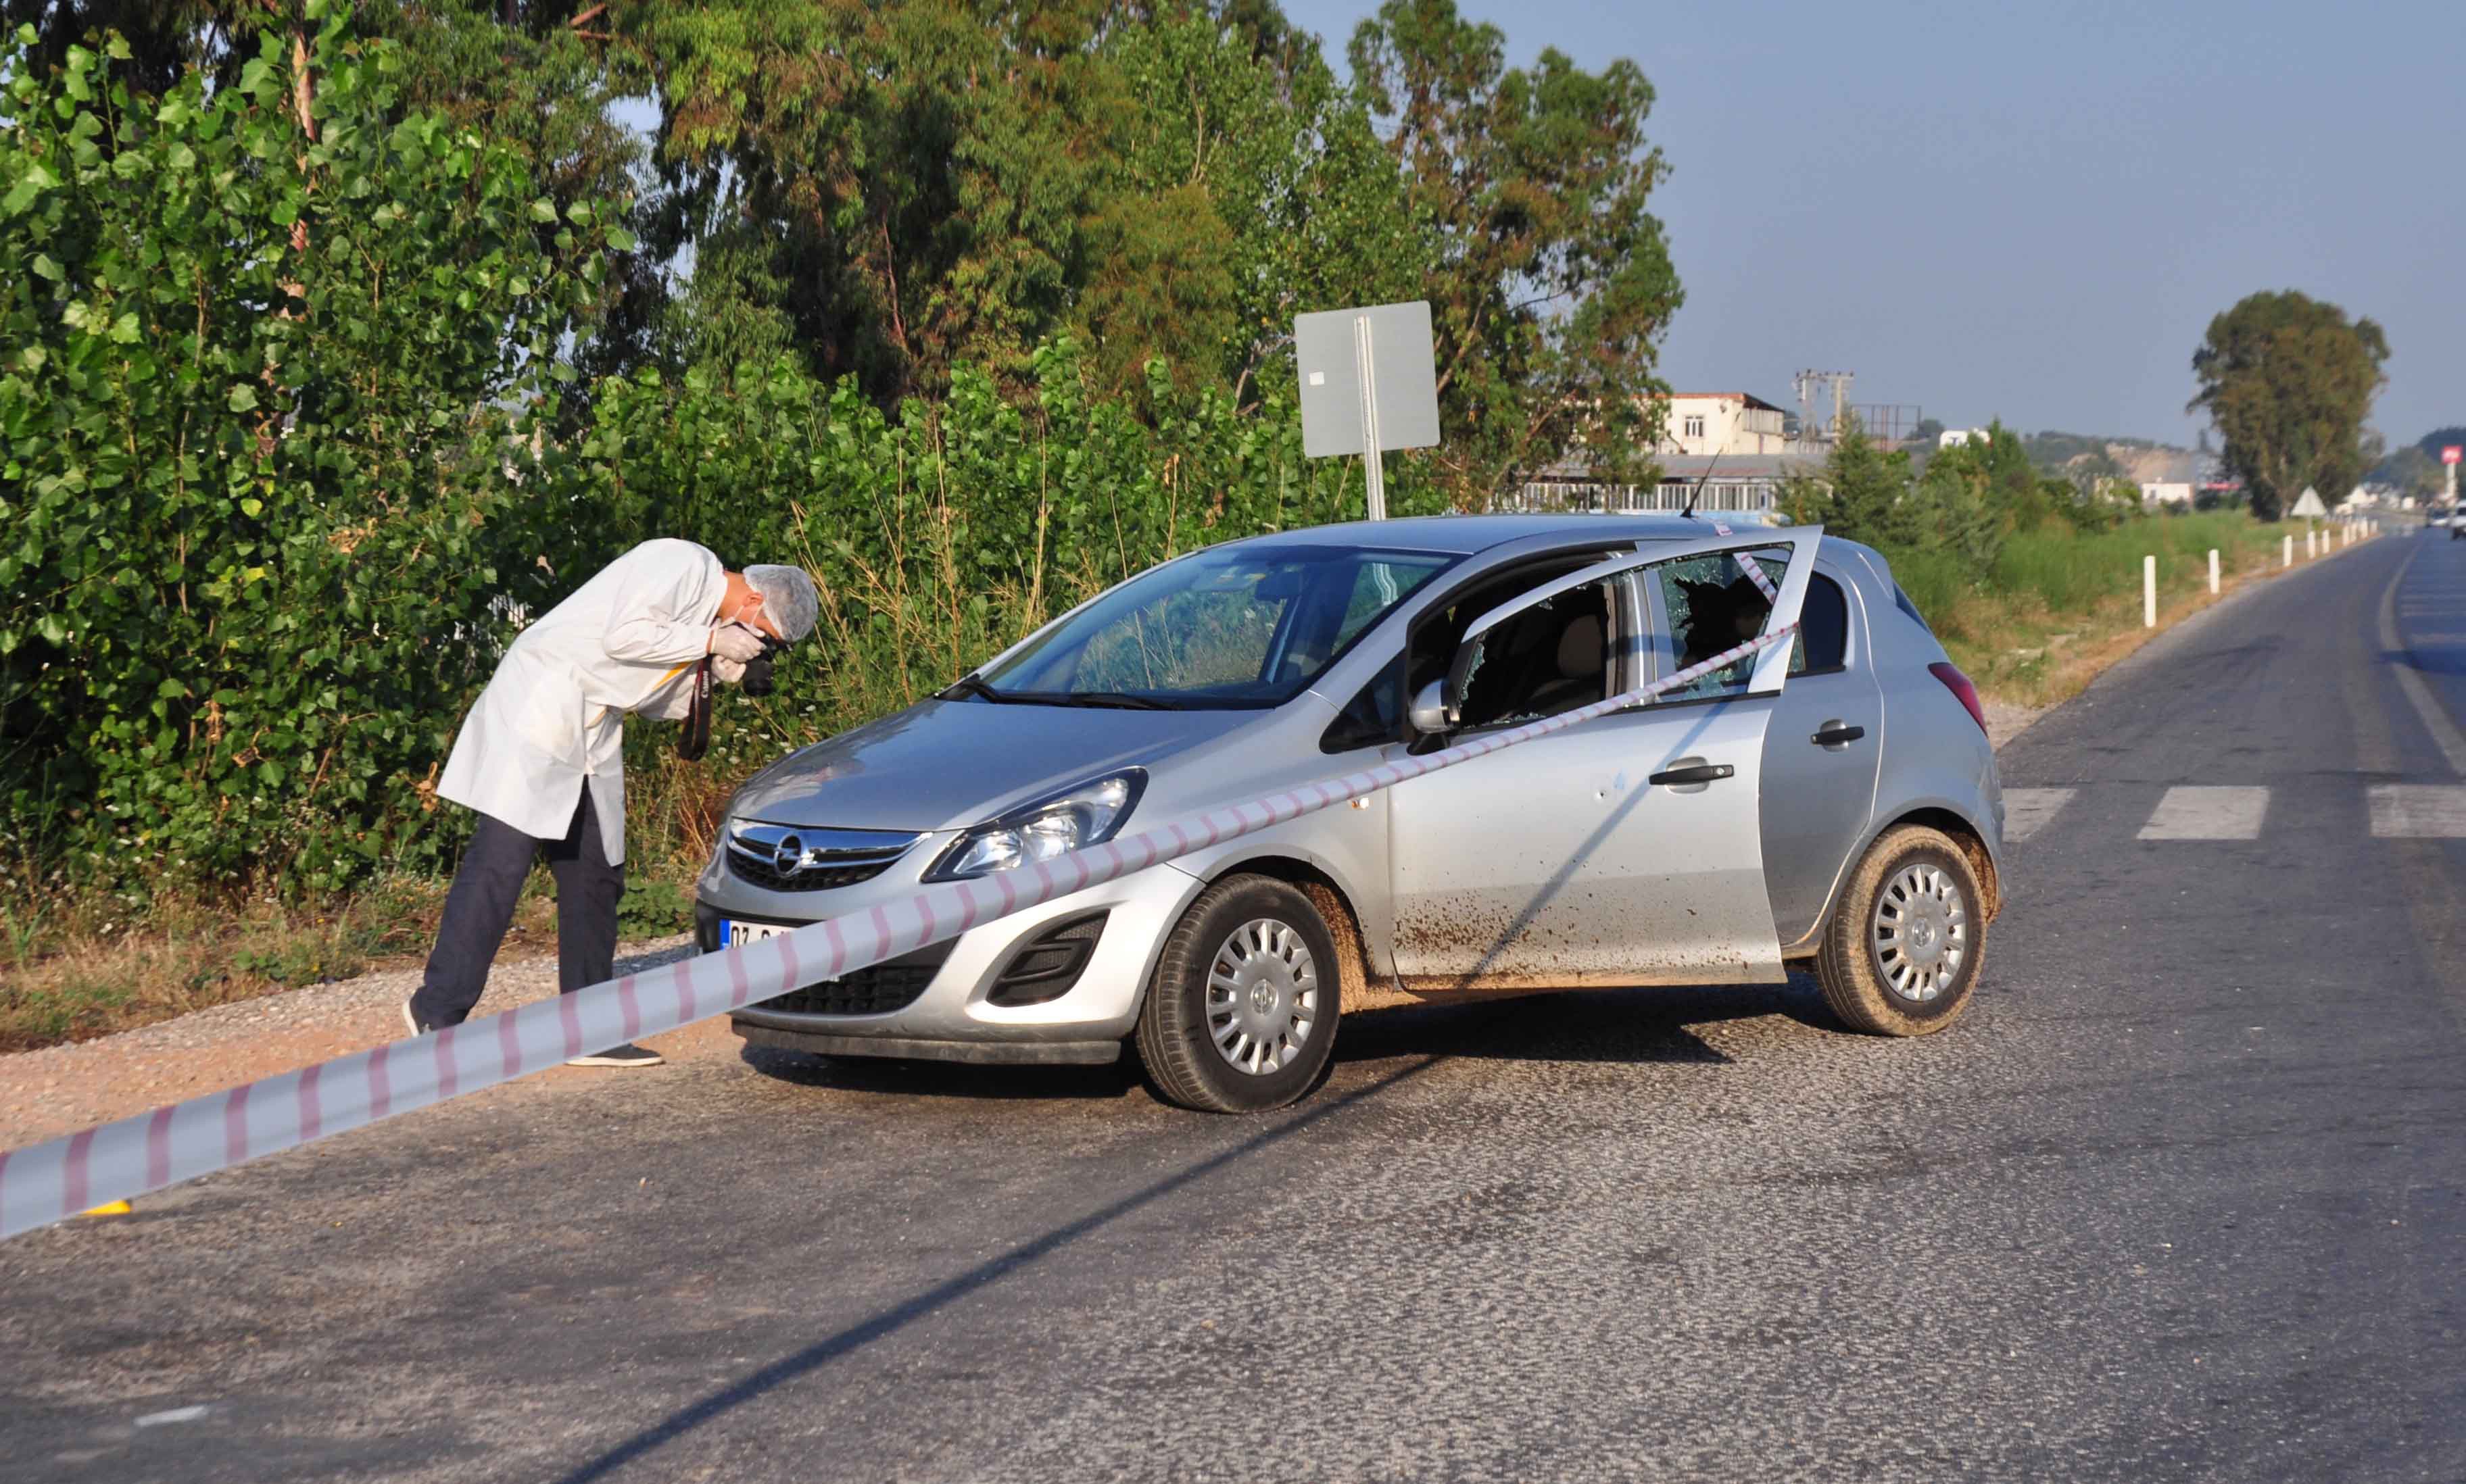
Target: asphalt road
[2180,1200]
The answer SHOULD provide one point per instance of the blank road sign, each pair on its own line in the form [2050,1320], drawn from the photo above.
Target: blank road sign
[1401,360]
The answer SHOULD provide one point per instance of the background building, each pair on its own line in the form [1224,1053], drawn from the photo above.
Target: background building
[1705,423]
[1746,484]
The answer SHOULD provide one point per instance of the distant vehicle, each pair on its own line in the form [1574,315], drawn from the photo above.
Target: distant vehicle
[1834,802]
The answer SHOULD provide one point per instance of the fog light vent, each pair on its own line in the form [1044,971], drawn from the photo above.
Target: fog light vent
[1048,966]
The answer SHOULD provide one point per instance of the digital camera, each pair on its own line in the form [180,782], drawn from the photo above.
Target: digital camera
[758,679]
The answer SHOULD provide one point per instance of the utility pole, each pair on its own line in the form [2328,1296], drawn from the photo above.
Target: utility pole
[1811,385]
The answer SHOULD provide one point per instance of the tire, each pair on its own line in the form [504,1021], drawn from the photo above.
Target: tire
[1919,878]
[1281,973]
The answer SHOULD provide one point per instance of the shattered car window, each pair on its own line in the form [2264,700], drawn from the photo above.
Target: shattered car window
[1552,657]
[1712,606]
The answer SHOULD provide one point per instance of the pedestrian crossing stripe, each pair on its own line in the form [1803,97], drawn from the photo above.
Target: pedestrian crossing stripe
[2026,811]
[2209,813]
[2399,811]
[2419,812]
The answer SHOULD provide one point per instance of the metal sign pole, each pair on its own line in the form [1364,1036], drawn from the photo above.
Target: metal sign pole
[1351,404]
[1378,475]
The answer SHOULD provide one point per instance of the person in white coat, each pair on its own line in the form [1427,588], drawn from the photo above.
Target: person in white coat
[541,754]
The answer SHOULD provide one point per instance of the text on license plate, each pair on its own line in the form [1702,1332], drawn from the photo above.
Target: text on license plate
[733,933]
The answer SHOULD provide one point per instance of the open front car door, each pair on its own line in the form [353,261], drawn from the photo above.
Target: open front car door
[1624,848]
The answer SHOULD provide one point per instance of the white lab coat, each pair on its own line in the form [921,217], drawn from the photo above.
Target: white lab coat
[551,721]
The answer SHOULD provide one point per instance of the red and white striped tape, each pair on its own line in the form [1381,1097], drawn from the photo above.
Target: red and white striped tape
[112,1161]
[1756,574]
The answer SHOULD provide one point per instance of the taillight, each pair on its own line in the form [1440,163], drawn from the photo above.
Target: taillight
[1959,684]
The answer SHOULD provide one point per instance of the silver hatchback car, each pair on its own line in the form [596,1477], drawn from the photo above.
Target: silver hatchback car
[1832,798]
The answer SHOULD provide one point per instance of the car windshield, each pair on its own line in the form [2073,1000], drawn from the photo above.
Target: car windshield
[1233,627]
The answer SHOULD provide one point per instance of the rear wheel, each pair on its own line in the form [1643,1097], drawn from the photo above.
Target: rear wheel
[1240,1016]
[1901,954]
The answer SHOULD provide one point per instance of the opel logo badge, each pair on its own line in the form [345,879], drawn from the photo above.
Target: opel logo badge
[788,857]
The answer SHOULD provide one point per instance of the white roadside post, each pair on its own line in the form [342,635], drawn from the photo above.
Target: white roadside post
[2213,571]
[2308,552]
[1370,382]
[2148,592]
[2286,552]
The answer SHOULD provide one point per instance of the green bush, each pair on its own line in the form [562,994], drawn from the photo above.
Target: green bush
[261,407]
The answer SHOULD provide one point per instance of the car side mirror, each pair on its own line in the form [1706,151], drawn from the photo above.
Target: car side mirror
[1432,714]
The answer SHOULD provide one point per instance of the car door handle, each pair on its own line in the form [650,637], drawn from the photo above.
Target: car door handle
[1837,733]
[1699,773]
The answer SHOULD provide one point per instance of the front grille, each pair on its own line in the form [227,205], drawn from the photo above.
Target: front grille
[887,987]
[869,991]
[795,858]
[769,877]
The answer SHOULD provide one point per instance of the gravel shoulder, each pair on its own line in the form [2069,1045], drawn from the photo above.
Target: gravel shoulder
[60,1089]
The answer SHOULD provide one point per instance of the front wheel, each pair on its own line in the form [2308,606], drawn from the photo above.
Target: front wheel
[1242,1013]
[1901,954]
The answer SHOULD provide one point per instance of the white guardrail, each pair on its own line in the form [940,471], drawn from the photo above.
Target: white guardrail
[113,1161]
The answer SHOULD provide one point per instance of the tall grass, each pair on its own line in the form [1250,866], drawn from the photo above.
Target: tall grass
[2030,629]
[2072,572]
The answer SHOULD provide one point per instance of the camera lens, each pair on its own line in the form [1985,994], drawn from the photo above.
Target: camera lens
[757,679]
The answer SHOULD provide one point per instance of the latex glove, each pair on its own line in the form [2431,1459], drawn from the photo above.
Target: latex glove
[736,642]
[726,670]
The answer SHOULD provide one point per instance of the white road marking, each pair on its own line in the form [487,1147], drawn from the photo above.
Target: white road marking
[175,1414]
[2207,814]
[2026,811]
[2419,812]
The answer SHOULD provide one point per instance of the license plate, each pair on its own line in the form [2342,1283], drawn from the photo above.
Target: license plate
[733,933]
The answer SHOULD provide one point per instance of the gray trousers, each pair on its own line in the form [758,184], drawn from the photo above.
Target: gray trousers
[480,906]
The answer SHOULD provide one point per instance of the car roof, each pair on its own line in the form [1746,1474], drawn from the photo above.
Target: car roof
[1464,535]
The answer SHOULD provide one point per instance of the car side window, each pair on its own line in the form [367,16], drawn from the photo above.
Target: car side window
[1515,675]
[1552,657]
[1710,607]
[1375,715]
[1823,641]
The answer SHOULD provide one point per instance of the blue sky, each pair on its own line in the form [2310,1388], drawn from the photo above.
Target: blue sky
[2030,211]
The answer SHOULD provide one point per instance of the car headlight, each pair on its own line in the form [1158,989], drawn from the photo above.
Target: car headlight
[1089,814]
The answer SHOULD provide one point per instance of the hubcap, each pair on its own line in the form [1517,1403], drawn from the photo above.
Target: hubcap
[1920,935]
[1262,996]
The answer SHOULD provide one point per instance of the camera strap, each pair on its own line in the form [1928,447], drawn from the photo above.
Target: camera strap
[693,739]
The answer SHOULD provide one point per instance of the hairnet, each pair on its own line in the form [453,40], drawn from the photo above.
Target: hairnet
[788,598]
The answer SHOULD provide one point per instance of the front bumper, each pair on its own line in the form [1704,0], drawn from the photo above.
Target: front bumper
[958,1013]
[1002,1053]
